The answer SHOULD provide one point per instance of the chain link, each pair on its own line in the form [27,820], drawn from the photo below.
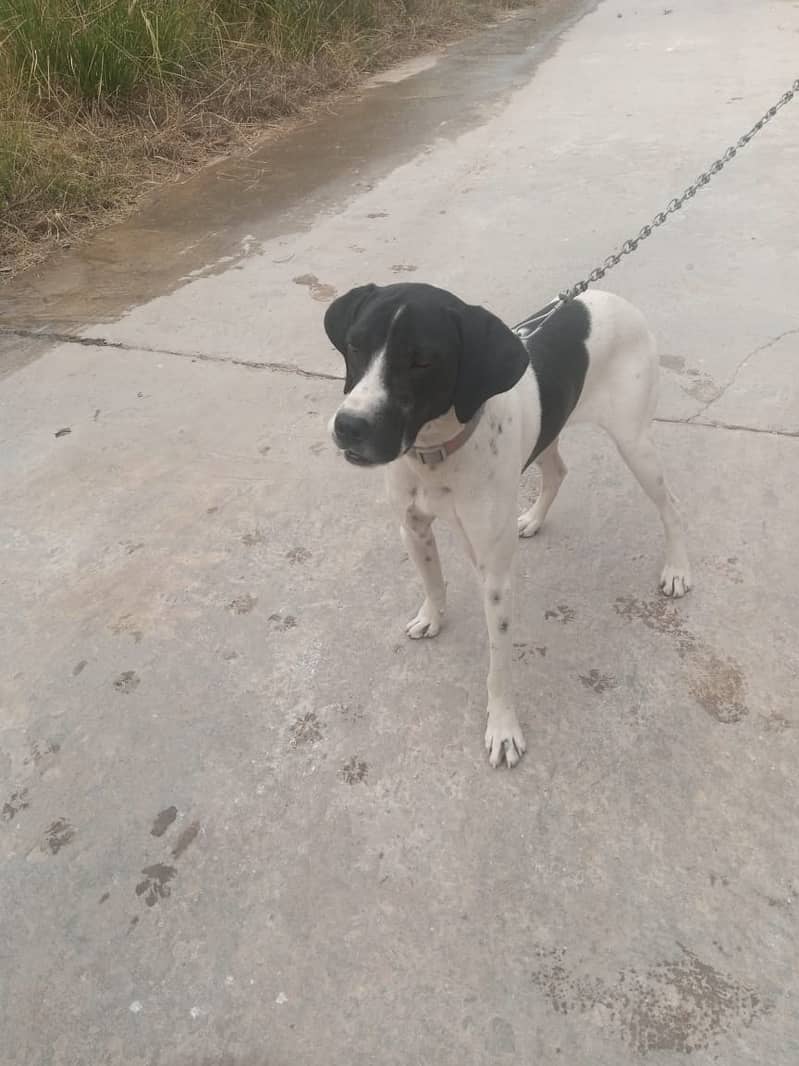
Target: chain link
[674,205]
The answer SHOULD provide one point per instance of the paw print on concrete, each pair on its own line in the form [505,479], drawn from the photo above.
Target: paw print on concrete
[155,884]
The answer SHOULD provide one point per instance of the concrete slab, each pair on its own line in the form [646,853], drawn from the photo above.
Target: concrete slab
[243,820]
[341,862]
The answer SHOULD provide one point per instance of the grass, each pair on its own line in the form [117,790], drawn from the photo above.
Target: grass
[99,99]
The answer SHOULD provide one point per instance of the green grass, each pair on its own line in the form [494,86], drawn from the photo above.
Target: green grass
[99,96]
[106,49]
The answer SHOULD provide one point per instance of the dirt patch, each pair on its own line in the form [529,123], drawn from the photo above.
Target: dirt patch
[717,684]
[680,1005]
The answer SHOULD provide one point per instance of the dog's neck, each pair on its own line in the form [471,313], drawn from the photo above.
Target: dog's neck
[435,434]
[438,439]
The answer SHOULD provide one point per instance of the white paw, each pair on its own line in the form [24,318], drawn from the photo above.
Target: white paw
[675,581]
[529,523]
[427,623]
[504,738]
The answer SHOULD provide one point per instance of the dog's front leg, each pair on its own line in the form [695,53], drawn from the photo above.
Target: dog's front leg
[417,535]
[504,739]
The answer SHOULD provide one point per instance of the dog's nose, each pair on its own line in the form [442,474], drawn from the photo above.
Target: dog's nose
[350,429]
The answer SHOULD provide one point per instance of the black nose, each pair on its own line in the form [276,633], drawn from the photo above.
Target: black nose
[350,429]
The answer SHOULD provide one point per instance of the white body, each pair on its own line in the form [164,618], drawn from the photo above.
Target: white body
[475,488]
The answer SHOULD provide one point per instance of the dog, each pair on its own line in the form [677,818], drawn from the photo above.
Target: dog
[455,405]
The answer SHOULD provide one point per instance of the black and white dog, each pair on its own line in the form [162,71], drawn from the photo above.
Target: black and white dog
[455,405]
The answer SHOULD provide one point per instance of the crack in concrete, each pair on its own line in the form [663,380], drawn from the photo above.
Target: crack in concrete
[732,426]
[318,375]
[734,376]
[120,346]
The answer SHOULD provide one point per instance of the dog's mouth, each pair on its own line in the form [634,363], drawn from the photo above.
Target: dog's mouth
[358,460]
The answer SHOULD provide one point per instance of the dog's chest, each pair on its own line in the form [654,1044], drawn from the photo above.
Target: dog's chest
[436,499]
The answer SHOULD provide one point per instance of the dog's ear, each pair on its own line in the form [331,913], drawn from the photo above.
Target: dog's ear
[492,360]
[343,312]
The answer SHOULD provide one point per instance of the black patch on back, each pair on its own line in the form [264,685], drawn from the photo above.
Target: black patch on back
[559,358]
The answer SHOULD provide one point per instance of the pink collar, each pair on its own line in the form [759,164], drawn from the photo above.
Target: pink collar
[439,452]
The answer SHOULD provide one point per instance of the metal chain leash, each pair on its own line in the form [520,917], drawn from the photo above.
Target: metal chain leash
[675,204]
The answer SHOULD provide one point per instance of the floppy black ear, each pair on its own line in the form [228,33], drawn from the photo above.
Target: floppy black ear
[343,312]
[492,360]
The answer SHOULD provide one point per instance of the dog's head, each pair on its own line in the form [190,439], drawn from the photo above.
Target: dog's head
[413,353]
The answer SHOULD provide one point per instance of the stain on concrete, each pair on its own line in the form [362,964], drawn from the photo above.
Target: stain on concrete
[127,624]
[105,897]
[521,651]
[660,615]
[163,820]
[672,362]
[18,801]
[598,682]
[354,771]
[42,749]
[774,722]
[253,538]
[679,1005]
[130,547]
[729,567]
[282,622]
[404,268]
[701,387]
[718,686]
[377,214]
[186,839]
[501,1039]
[306,729]
[562,613]
[318,289]
[242,604]
[57,835]
[785,902]
[298,555]
[78,668]
[62,432]
[155,883]
[128,681]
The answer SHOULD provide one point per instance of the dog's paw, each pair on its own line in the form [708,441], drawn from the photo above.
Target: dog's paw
[529,523]
[504,739]
[427,623]
[675,581]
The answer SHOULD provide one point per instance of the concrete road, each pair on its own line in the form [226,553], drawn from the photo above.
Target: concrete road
[244,821]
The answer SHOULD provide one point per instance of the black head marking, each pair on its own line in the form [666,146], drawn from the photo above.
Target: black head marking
[436,353]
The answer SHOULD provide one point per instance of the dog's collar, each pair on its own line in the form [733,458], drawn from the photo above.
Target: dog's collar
[439,452]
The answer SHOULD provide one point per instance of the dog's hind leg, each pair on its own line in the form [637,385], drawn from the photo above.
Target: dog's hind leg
[553,471]
[641,455]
